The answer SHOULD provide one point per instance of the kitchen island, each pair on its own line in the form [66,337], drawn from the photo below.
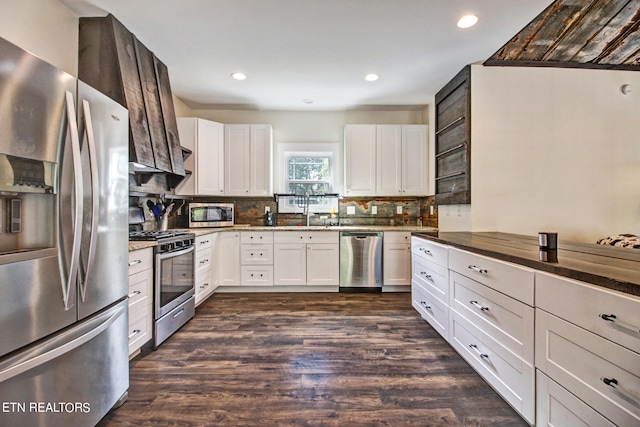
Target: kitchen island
[559,341]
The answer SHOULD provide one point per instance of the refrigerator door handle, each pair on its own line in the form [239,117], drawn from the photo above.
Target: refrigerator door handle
[77,220]
[59,346]
[95,194]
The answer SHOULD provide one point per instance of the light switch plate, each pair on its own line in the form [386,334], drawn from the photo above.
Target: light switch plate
[399,210]
[351,210]
[374,210]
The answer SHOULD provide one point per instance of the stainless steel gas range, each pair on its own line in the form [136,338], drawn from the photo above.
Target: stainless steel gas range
[174,287]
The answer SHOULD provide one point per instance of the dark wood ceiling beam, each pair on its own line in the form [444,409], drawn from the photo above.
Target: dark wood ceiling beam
[584,29]
[611,35]
[567,14]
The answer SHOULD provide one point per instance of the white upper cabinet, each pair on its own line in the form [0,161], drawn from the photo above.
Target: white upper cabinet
[248,160]
[206,140]
[359,160]
[385,160]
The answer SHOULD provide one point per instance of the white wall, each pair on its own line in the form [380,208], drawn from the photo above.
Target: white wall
[555,149]
[46,28]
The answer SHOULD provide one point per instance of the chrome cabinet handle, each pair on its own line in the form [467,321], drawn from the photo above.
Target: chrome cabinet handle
[428,276]
[424,304]
[477,350]
[135,262]
[425,250]
[478,269]
[478,306]
[614,319]
[133,294]
[135,332]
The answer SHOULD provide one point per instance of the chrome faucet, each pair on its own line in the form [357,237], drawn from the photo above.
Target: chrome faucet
[307,207]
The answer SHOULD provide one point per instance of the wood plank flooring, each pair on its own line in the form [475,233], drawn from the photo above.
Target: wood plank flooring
[308,359]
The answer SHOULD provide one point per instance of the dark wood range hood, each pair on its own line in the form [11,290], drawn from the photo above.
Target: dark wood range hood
[578,34]
[113,60]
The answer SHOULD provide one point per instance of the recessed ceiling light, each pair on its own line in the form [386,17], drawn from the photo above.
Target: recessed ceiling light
[238,76]
[371,77]
[308,101]
[467,21]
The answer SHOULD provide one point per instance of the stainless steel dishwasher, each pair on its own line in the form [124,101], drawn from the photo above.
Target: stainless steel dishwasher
[360,261]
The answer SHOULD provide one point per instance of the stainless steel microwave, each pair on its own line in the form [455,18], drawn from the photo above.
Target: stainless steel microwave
[210,215]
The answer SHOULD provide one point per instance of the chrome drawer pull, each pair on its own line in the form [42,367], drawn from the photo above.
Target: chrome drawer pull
[613,383]
[428,276]
[478,269]
[425,250]
[613,318]
[424,304]
[135,332]
[481,354]
[178,313]
[134,293]
[481,307]
[135,262]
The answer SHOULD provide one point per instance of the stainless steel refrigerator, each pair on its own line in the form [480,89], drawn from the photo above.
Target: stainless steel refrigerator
[63,246]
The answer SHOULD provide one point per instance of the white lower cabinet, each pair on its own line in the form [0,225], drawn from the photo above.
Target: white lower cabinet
[229,258]
[256,258]
[204,271]
[306,258]
[600,364]
[140,298]
[396,259]
[555,406]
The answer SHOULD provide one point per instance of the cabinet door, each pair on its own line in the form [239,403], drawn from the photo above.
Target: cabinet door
[260,161]
[360,160]
[414,160]
[389,160]
[210,158]
[397,264]
[229,258]
[236,153]
[323,266]
[290,264]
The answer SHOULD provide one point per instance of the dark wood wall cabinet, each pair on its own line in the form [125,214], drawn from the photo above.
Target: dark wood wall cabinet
[113,60]
[453,140]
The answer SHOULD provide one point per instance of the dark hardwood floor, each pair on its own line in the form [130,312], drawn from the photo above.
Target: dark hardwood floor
[294,359]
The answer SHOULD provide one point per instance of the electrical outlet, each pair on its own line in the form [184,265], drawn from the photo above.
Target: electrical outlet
[399,210]
[431,210]
[374,210]
[267,209]
[351,210]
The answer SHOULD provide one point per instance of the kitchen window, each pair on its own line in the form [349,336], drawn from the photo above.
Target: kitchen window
[308,172]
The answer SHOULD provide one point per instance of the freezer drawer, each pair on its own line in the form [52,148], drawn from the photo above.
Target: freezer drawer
[73,378]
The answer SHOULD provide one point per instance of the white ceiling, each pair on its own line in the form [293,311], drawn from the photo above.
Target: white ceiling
[292,50]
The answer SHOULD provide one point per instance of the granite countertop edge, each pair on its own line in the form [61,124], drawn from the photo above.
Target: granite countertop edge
[587,274]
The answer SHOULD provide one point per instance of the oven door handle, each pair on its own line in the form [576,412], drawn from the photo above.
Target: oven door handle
[175,253]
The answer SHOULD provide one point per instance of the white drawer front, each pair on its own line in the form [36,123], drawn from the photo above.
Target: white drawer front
[397,237]
[204,242]
[581,362]
[204,287]
[555,406]
[140,260]
[256,254]
[432,277]
[510,279]
[430,251]
[140,287]
[139,329]
[431,308]
[306,237]
[584,305]
[505,319]
[204,260]
[259,237]
[511,376]
[256,276]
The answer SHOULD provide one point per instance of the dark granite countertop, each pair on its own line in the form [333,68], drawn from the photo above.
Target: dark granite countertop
[611,267]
